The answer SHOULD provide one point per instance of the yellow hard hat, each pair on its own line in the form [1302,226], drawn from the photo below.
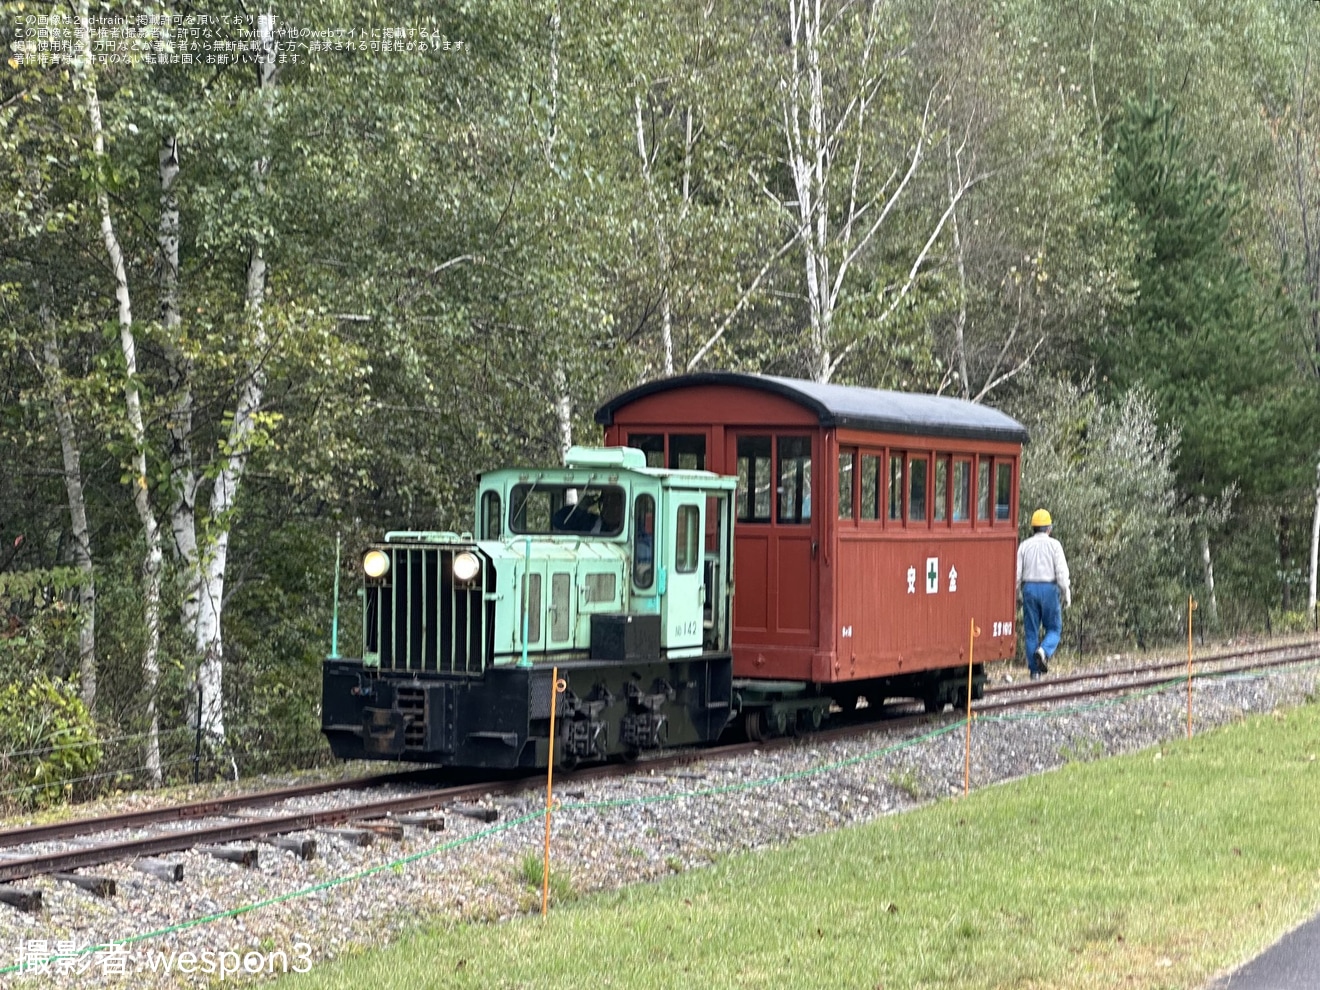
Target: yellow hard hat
[1041,518]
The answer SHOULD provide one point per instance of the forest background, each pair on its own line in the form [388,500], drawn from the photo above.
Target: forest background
[269,277]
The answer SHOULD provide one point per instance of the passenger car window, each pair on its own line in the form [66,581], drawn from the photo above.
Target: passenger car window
[755,479]
[871,486]
[962,490]
[794,479]
[652,445]
[687,451]
[896,487]
[917,489]
[847,459]
[983,489]
[941,496]
[1003,490]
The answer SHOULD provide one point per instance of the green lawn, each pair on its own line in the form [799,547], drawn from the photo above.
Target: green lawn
[1149,871]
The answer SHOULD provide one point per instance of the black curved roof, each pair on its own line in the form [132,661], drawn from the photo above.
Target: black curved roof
[851,406]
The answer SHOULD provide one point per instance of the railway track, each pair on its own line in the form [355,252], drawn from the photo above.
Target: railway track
[27,852]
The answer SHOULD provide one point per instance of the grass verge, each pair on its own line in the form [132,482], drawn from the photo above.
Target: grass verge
[1150,872]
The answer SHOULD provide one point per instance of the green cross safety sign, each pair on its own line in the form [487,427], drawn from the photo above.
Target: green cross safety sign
[932,575]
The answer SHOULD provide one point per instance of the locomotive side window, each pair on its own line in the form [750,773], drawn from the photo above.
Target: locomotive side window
[962,491]
[871,486]
[755,479]
[794,479]
[687,545]
[1003,490]
[917,489]
[492,516]
[687,451]
[895,487]
[650,444]
[983,490]
[847,458]
[644,541]
[941,489]
[532,602]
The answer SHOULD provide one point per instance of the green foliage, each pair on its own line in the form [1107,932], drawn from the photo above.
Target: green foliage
[1105,472]
[48,742]
[1203,335]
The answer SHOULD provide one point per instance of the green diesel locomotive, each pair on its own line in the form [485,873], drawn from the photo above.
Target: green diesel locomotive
[618,574]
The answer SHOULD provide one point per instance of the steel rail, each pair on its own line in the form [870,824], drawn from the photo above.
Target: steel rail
[209,808]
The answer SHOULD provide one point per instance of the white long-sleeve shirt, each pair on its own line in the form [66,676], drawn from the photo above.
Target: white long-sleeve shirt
[1040,559]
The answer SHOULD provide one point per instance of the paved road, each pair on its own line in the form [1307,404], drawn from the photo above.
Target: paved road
[1292,963]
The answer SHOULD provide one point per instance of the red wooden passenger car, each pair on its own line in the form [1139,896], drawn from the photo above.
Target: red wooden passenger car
[873,527]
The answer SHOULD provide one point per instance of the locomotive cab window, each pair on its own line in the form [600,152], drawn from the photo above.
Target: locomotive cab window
[492,516]
[644,541]
[538,509]
[687,542]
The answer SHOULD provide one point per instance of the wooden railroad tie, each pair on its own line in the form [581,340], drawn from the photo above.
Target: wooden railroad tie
[24,900]
[96,886]
[480,813]
[304,848]
[241,855]
[160,869]
[431,823]
[383,827]
[353,836]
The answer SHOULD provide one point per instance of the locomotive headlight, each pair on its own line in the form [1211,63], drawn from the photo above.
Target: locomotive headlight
[376,563]
[466,566]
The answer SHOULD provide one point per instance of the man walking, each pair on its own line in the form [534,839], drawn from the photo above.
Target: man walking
[1042,581]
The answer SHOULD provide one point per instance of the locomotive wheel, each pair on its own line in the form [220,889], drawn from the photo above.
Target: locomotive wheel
[754,725]
[780,723]
[932,702]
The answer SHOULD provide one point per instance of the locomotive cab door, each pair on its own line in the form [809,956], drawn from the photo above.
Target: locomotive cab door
[683,595]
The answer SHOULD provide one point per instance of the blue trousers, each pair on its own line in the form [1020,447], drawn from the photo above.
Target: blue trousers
[1040,607]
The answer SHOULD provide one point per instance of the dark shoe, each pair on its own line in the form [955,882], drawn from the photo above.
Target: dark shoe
[1035,675]
[1041,664]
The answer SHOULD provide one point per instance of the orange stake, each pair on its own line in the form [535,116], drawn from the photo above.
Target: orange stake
[556,685]
[1191,607]
[967,747]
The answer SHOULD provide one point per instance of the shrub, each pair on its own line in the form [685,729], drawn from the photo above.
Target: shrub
[48,742]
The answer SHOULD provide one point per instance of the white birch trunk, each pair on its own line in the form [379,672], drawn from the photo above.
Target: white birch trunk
[1212,606]
[563,414]
[183,474]
[214,558]
[82,540]
[1315,544]
[152,562]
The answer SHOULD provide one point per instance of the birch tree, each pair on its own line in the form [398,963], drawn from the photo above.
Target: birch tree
[852,156]
[138,478]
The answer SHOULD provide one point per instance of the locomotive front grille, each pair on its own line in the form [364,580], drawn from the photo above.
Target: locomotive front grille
[420,620]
